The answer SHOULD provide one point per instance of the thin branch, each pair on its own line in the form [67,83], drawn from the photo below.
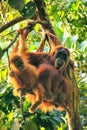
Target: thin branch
[6,49]
[8,60]
[8,33]
[21,106]
[11,23]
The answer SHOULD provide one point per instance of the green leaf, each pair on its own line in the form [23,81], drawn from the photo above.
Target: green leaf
[58,119]
[29,10]
[83,45]
[55,123]
[15,125]
[30,125]
[2,91]
[4,74]
[44,117]
[16,4]
[1,53]
[74,38]
[68,42]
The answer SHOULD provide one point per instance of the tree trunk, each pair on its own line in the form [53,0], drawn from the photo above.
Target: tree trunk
[73,114]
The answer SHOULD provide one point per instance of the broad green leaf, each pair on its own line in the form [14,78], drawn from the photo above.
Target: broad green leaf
[3,127]
[1,53]
[74,38]
[68,42]
[4,74]
[54,122]
[58,119]
[15,125]
[29,10]
[83,45]
[16,4]
[47,128]
[11,16]
[44,117]
[2,90]
[84,1]
[30,125]
[10,116]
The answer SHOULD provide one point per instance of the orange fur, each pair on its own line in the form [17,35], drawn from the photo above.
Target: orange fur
[24,75]
[33,67]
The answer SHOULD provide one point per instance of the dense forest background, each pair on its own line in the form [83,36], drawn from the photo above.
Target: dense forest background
[69,20]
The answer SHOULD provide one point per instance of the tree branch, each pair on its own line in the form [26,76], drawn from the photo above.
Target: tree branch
[28,29]
[11,23]
[47,27]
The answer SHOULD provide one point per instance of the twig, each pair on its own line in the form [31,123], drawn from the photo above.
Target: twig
[8,33]
[21,105]
[6,49]
[8,60]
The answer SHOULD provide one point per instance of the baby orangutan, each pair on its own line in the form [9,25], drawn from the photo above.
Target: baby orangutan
[27,80]
[24,76]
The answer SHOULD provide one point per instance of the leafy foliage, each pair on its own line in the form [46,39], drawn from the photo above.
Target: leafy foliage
[29,10]
[69,19]
[18,5]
